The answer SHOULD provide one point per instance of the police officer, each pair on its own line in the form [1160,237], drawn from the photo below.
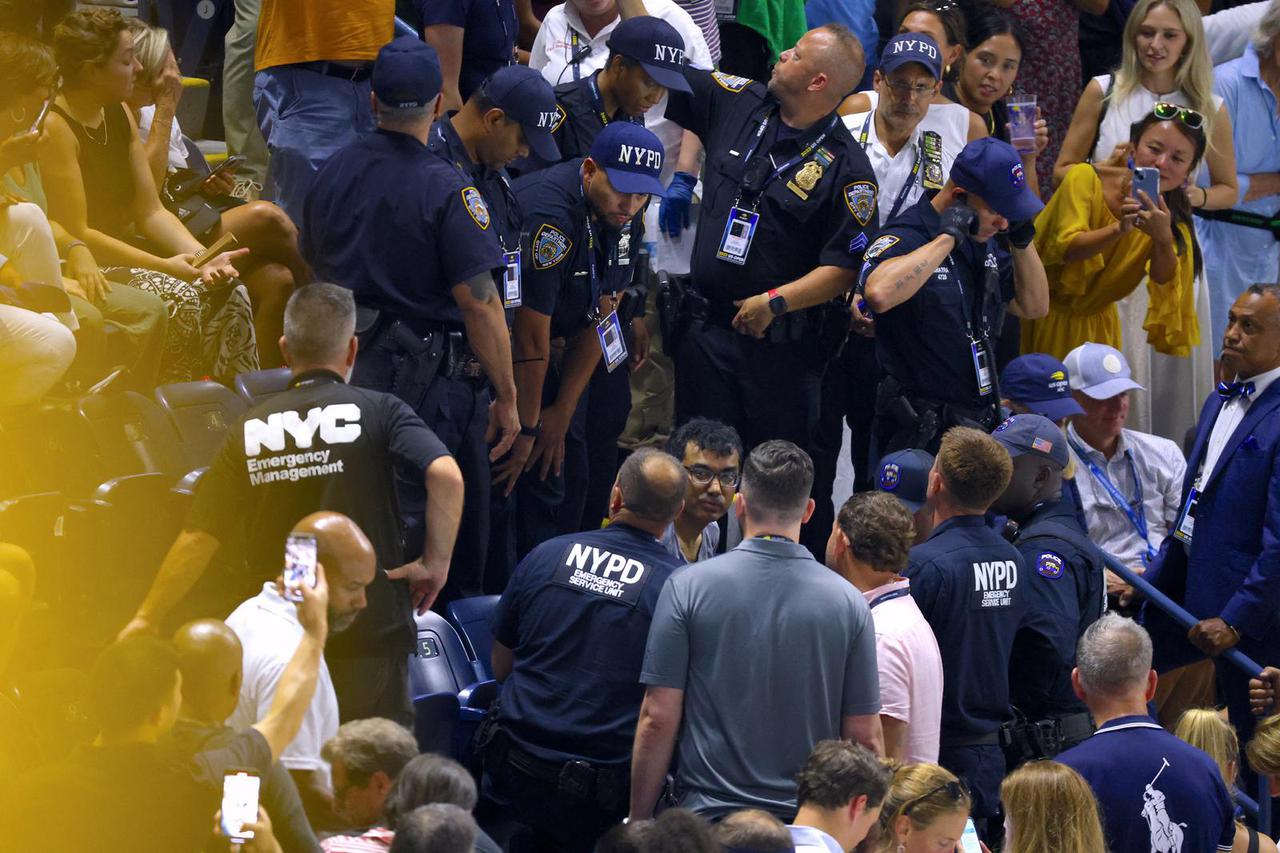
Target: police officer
[969,585]
[569,640]
[788,199]
[938,286]
[1064,587]
[400,227]
[320,445]
[584,220]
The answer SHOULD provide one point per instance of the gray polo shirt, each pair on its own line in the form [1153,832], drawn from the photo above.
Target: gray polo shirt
[706,549]
[772,649]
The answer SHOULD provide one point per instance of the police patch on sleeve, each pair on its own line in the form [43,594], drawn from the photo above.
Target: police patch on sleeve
[594,571]
[550,245]
[878,248]
[476,207]
[1049,566]
[861,200]
[559,119]
[730,82]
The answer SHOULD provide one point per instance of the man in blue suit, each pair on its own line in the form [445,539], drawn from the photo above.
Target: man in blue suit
[1223,559]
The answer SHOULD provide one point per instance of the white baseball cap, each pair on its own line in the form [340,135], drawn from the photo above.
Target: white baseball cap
[1099,371]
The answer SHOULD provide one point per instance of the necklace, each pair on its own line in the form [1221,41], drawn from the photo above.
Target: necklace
[89,132]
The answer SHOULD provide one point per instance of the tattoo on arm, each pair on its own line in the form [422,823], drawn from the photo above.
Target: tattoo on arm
[911,275]
[482,287]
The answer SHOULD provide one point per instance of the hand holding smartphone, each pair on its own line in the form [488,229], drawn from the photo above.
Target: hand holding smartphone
[969,842]
[239,804]
[299,564]
[1147,179]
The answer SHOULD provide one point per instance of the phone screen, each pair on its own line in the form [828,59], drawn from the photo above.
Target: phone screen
[1148,180]
[299,564]
[969,838]
[239,804]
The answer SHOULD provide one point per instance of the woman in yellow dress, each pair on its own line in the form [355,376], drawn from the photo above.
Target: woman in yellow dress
[1098,243]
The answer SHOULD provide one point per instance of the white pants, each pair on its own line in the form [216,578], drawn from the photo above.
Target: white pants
[35,350]
[27,241]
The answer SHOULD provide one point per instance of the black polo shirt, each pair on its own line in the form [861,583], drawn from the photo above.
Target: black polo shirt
[489,33]
[494,184]
[397,225]
[557,269]
[804,222]
[321,445]
[582,116]
[924,342]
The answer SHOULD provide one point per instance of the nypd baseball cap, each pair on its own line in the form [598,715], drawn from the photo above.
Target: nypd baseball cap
[1040,383]
[631,156]
[905,475]
[1035,435]
[656,45]
[911,47]
[991,169]
[1099,371]
[527,99]
[406,73]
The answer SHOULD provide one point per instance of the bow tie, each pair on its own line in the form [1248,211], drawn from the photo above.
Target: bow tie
[1231,390]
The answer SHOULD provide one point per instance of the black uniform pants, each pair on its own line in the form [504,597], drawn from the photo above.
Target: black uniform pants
[981,768]
[558,821]
[372,687]
[608,406]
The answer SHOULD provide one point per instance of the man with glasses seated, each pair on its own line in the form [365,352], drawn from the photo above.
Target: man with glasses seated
[711,452]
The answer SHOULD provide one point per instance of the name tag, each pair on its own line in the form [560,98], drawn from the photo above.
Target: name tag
[612,344]
[604,574]
[511,291]
[739,231]
[1187,518]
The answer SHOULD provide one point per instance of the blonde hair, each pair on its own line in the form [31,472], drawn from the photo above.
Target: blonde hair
[1194,76]
[1208,732]
[150,46]
[1264,750]
[1050,807]
[918,791]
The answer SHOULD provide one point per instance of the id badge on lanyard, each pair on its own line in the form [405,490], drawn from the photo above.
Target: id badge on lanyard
[981,366]
[612,343]
[1187,518]
[738,234]
[511,288]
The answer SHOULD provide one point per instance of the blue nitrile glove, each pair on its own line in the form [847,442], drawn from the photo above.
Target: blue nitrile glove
[673,215]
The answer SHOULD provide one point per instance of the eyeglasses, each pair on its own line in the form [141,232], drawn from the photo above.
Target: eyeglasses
[702,475]
[906,90]
[955,790]
[1166,111]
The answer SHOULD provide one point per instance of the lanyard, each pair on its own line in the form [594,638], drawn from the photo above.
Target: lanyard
[964,303]
[755,143]
[507,195]
[911,179]
[597,101]
[888,596]
[574,59]
[506,33]
[1138,517]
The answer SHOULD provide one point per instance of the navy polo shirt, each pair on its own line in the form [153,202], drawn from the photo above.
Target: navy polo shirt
[816,213]
[969,584]
[1151,785]
[489,34]
[576,614]
[556,271]
[923,342]
[1066,593]
[582,116]
[398,225]
[494,184]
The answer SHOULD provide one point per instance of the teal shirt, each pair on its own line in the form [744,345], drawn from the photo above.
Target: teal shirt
[31,189]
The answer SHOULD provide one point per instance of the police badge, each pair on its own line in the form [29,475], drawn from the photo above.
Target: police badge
[879,246]
[861,200]
[476,207]
[550,245]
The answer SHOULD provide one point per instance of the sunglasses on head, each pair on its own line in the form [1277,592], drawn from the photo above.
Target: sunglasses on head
[955,790]
[1169,112]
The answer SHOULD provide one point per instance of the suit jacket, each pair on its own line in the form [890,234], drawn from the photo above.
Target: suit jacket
[1232,568]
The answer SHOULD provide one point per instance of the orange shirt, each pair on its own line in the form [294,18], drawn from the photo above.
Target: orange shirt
[292,31]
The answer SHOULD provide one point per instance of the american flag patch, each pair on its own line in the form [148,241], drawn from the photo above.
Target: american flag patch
[1041,444]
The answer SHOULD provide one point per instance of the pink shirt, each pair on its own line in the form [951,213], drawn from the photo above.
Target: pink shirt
[376,840]
[910,668]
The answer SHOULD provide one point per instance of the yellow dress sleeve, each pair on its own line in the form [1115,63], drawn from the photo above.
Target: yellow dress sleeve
[1171,323]
[1070,212]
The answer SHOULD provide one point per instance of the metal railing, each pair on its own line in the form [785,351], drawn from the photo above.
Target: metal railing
[1247,666]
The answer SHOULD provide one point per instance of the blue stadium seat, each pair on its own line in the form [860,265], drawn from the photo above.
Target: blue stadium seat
[202,412]
[472,618]
[439,663]
[132,435]
[435,718]
[258,385]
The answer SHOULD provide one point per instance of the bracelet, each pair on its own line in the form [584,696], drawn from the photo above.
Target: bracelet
[74,243]
[531,432]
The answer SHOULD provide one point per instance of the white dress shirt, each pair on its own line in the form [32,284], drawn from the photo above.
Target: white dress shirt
[1160,467]
[1229,417]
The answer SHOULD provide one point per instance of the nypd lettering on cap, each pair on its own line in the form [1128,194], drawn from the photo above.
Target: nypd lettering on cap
[476,207]
[550,119]
[550,245]
[730,82]
[860,197]
[993,584]
[1049,566]
[890,476]
[595,571]
[639,156]
[669,54]
[899,46]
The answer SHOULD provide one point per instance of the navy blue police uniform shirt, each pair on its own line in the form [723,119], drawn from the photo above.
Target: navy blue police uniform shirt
[803,224]
[398,226]
[576,614]
[320,445]
[582,116]
[923,342]
[489,34]
[968,583]
[556,271]
[1066,592]
[494,184]
[1154,791]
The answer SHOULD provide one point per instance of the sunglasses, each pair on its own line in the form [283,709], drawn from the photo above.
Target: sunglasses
[955,790]
[1168,112]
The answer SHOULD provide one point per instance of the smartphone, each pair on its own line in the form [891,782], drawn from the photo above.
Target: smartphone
[239,804]
[1147,179]
[230,163]
[38,124]
[968,839]
[299,564]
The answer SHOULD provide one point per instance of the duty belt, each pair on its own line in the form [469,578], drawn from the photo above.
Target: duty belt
[606,786]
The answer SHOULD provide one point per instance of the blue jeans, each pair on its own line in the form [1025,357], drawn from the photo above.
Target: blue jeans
[306,118]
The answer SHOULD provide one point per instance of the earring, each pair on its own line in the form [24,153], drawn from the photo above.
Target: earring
[902,848]
[945,71]
[18,119]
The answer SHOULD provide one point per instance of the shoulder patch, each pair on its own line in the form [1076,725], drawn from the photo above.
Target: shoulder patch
[1049,565]
[550,245]
[730,82]
[476,207]
[878,248]
[561,115]
[860,197]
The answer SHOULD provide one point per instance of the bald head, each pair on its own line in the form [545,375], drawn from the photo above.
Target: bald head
[349,563]
[210,658]
[650,490]
[840,57]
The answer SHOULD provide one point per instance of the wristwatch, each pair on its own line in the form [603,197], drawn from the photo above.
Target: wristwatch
[777,302]
[531,432]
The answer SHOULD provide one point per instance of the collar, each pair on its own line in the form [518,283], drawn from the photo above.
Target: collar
[574,20]
[1122,443]
[958,521]
[774,548]
[395,137]
[892,586]
[1261,382]
[1044,509]
[802,139]
[1249,65]
[314,377]
[453,142]
[1135,721]
[813,837]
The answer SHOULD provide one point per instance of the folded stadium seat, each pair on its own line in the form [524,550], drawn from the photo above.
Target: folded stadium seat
[435,722]
[257,385]
[35,523]
[132,435]
[56,705]
[19,749]
[46,449]
[202,412]
[471,616]
[439,663]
